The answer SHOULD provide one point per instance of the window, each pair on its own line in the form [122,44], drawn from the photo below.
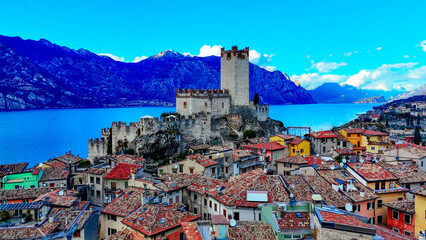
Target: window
[373,148]
[294,150]
[98,193]
[323,149]
[215,207]
[237,216]
[302,150]
[407,233]
[380,219]
[358,208]
[205,202]
[205,104]
[400,199]
[395,230]
[287,164]
[92,180]
[184,105]
[181,168]
[174,170]
[213,171]
[76,234]
[16,186]
[371,220]
[177,199]
[210,204]
[379,203]
[111,231]
[32,186]
[296,236]
[98,180]
[112,217]
[160,171]
[395,215]
[191,171]
[383,185]
[377,187]
[370,205]
[224,212]
[52,184]
[407,218]
[126,184]
[223,105]
[92,193]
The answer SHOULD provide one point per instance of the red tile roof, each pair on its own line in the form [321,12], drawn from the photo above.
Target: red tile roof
[190,229]
[328,194]
[268,146]
[96,171]
[28,232]
[420,191]
[313,160]
[219,220]
[294,160]
[122,171]
[299,188]
[154,219]
[354,130]
[55,163]
[59,197]
[406,206]
[340,218]
[285,137]
[126,234]
[203,184]
[406,174]
[7,169]
[126,203]
[296,141]
[345,151]
[374,133]
[387,234]
[173,181]
[23,194]
[289,220]
[324,134]
[251,231]
[59,173]
[372,171]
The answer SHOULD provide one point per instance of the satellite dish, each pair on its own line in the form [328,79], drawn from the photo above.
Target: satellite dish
[317,155]
[233,223]
[40,164]
[218,154]
[342,164]
[348,207]
[314,166]
[344,160]
[332,167]
[61,193]
[265,171]
[176,166]
[291,195]
[304,155]
[361,160]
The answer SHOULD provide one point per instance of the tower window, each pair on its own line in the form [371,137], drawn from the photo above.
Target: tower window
[184,105]
[223,105]
[205,104]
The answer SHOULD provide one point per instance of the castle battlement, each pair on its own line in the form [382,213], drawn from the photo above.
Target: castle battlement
[204,93]
[234,52]
[97,141]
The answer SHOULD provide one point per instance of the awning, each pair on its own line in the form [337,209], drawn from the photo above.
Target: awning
[21,206]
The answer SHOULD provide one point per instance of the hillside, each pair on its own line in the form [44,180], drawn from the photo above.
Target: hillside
[418,91]
[40,74]
[376,99]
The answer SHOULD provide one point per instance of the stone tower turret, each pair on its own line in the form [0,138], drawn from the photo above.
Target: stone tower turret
[234,74]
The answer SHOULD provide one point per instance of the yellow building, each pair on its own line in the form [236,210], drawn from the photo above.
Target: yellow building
[375,141]
[384,185]
[420,210]
[353,135]
[299,147]
[282,139]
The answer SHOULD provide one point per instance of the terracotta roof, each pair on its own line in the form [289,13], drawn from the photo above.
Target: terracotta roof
[296,141]
[354,130]
[345,151]
[70,158]
[323,134]
[313,160]
[122,171]
[406,206]
[203,184]
[268,146]
[285,137]
[219,220]
[341,218]
[290,220]
[206,162]
[21,194]
[420,191]
[295,160]
[129,159]
[359,148]
[387,234]
[325,165]
[406,174]
[6,169]
[36,170]
[28,232]
[125,203]
[340,137]
[55,163]
[190,229]
[59,197]
[374,133]
[200,147]
[59,173]
[417,151]
[235,189]
[371,171]
[66,217]
[96,171]
[336,177]
[298,187]
[328,194]
[251,231]
[173,181]
[154,219]
[126,234]
[238,153]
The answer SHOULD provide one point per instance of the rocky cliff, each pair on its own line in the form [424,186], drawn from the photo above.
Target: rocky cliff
[376,99]
[40,74]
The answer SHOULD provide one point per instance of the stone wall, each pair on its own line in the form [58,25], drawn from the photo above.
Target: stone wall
[194,101]
[234,74]
[97,148]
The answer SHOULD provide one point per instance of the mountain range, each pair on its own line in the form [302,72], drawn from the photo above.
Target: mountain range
[416,92]
[40,74]
[336,93]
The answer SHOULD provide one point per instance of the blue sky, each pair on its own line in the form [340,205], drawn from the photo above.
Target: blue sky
[368,44]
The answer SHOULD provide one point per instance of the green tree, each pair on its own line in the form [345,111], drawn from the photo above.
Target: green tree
[256,99]
[418,120]
[387,123]
[249,134]
[417,136]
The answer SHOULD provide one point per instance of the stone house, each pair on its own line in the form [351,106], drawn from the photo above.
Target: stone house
[270,152]
[323,141]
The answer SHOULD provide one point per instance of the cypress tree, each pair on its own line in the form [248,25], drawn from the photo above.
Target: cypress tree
[256,99]
[417,136]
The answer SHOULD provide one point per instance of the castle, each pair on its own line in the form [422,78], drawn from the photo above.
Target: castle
[195,110]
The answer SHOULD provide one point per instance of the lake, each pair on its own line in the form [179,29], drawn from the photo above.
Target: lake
[37,135]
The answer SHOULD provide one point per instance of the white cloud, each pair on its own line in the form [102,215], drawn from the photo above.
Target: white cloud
[120,59]
[187,54]
[379,48]
[347,54]
[308,56]
[138,59]
[254,56]
[355,51]
[423,45]
[325,67]
[406,56]
[208,50]
[271,68]
[386,77]
[330,55]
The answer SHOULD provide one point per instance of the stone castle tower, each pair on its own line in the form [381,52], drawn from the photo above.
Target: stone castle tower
[234,75]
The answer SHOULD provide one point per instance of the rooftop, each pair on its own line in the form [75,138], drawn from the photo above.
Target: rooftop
[154,219]
[126,234]
[268,146]
[55,163]
[55,173]
[299,188]
[353,130]
[251,231]
[313,160]
[219,220]
[59,197]
[6,169]
[70,158]
[374,133]
[96,171]
[372,171]
[295,160]
[328,194]
[323,134]
[406,206]
[202,184]
[285,137]
[406,174]
[390,235]
[420,191]
[296,141]
[28,232]
[239,153]
[66,217]
[234,191]
[173,181]
[122,171]
[126,158]
[126,203]
[345,151]
[294,220]
[190,229]
[21,194]
[340,217]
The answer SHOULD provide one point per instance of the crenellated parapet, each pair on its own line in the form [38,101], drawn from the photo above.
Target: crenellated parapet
[202,93]
[234,52]
[97,148]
